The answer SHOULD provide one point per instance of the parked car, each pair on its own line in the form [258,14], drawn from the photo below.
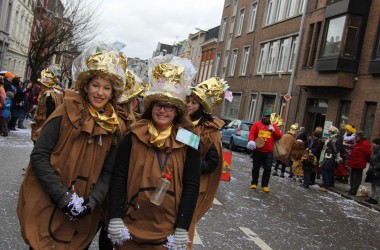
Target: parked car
[235,134]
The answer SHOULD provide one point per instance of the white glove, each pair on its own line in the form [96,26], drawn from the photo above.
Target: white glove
[251,145]
[117,231]
[270,128]
[180,239]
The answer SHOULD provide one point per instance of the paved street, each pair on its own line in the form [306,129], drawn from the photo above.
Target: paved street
[289,217]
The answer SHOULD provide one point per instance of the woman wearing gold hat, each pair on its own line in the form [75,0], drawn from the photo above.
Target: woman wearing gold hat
[48,100]
[204,97]
[155,184]
[125,103]
[71,163]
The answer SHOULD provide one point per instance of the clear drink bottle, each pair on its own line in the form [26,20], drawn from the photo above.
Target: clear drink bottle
[159,194]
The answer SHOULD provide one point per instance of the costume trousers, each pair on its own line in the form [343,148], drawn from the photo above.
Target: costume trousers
[307,171]
[264,159]
[375,191]
[355,179]
[328,172]
[4,125]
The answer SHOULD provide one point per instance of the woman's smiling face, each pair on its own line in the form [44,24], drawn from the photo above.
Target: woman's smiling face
[99,91]
[163,115]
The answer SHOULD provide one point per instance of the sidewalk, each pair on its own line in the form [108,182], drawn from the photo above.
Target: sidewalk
[341,188]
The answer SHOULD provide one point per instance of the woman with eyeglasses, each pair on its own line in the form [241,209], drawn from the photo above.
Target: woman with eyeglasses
[155,183]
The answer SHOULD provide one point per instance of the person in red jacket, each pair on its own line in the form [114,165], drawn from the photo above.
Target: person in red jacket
[360,155]
[265,131]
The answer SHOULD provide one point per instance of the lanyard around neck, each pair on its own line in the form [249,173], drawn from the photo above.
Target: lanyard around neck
[160,160]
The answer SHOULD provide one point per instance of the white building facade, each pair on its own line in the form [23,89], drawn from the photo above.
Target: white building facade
[16,56]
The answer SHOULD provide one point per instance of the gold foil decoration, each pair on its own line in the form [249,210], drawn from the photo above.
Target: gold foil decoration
[48,78]
[276,119]
[170,72]
[210,93]
[107,120]
[108,65]
[130,80]
[132,88]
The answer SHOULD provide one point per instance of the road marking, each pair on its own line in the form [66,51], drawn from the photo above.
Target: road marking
[255,238]
[216,202]
[197,240]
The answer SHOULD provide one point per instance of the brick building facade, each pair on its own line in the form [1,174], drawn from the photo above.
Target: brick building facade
[330,68]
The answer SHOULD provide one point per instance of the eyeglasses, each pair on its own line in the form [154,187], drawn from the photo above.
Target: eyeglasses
[167,107]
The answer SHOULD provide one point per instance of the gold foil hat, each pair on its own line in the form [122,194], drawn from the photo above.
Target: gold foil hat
[170,78]
[100,61]
[293,129]
[209,93]
[48,78]
[276,119]
[133,88]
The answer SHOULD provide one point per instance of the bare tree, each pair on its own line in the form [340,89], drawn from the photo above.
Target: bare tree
[60,28]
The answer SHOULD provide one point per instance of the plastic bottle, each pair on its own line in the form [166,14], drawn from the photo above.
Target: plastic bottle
[159,194]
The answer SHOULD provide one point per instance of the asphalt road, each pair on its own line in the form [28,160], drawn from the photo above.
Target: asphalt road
[289,217]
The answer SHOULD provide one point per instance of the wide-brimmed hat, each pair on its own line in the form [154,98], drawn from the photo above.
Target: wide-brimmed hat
[170,78]
[100,61]
[48,78]
[132,88]
[209,93]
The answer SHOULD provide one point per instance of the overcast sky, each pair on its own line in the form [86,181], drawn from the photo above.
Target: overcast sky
[141,24]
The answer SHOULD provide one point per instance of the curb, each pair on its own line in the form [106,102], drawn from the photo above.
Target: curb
[377,208]
[353,198]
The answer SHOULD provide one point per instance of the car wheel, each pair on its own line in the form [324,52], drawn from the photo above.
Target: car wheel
[232,144]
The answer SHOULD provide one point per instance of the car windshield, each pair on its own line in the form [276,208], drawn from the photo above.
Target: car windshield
[246,126]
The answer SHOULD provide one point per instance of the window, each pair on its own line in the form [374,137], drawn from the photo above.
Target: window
[293,54]
[352,36]
[376,54]
[277,56]
[282,107]
[301,6]
[280,10]
[369,118]
[271,56]
[268,103]
[252,107]
[344,110]
[291,8]
[312,44]
[222,33]
[261,62]
[226,3]
[217,62]
[269,12]
[341,37]
[241,21]
[252,18]
[331,45]
[244,61]
[233,62]
[281,55]
[231,109]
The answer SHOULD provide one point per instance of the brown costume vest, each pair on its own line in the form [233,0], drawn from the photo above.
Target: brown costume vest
[147,222]
[209,133]
[77,158]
